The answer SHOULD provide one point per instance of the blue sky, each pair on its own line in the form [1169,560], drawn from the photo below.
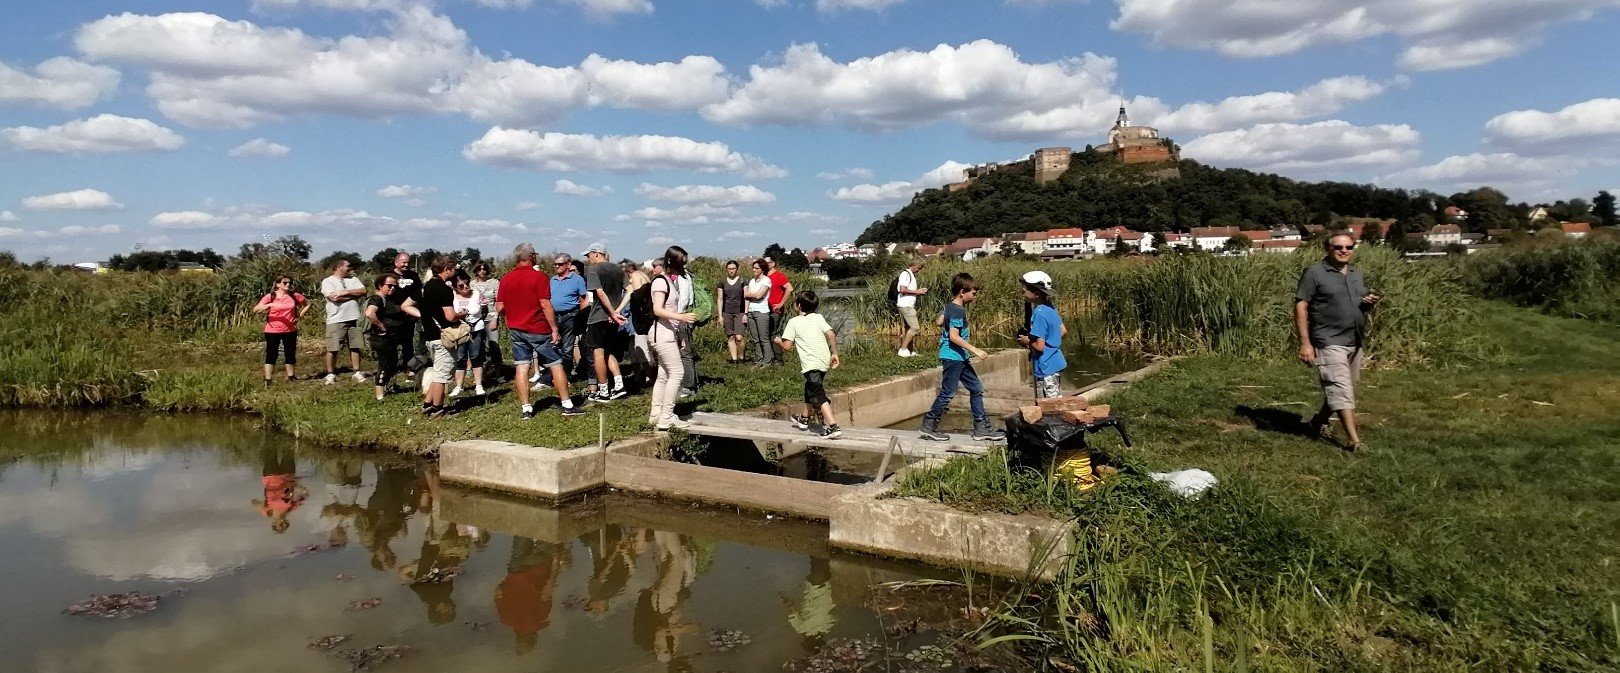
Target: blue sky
[725,125]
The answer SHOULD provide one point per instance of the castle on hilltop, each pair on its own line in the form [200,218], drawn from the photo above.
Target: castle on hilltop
[1128,144]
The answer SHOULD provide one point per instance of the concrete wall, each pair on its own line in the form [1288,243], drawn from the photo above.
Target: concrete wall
[529,470]
[883,403]
[1016,546]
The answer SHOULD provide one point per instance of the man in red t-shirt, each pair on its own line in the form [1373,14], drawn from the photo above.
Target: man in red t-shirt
[781,289]
[525,299]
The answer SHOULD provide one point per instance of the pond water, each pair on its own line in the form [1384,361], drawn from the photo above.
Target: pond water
[255,546]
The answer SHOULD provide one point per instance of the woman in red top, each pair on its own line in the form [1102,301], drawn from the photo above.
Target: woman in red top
[282,309]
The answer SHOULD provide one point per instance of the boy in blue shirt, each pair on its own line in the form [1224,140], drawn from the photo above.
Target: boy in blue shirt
[1044,335]
[954,349]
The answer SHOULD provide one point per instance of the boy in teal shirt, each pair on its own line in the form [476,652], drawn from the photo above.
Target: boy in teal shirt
[954,349]
[817,344]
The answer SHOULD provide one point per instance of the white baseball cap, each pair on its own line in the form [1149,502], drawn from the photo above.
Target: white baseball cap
[1041,281]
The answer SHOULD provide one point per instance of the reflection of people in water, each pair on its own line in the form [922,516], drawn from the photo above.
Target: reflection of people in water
[523,600]
[816,612]
[392,502]
[614,553]
[343,482]
[445,548]
[659,622]
[282,494]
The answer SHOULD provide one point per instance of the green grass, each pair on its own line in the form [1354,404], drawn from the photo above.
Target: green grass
[1480,532]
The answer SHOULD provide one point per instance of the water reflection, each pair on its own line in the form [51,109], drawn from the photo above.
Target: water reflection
[95,505]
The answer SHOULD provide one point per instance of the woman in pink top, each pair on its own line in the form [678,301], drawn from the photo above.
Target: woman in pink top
[282,309]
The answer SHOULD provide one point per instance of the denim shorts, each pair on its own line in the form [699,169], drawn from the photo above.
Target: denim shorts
[527,346]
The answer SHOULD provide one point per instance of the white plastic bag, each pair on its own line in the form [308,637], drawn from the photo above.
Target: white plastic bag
[1187,483]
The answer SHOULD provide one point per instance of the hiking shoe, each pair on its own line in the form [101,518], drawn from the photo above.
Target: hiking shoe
[359,377]
[330,379]
[800,422]
[573,411]
[479,391]
[528,412]
[616,393]
[985,433]
[831,431]
[933,435]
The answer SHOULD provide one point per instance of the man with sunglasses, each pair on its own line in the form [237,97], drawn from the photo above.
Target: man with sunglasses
[1330,312]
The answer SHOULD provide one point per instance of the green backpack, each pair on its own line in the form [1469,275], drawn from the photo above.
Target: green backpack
[702,301]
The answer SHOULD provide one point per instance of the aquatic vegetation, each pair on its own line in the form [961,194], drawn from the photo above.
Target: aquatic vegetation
[328,642]
[368,658]
[725,641]
[364,604]
[115,606]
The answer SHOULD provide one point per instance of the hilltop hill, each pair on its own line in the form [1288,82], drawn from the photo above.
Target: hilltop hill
[1099,192]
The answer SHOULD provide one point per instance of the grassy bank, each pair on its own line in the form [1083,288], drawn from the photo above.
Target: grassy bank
[1195,304]
[1479,533]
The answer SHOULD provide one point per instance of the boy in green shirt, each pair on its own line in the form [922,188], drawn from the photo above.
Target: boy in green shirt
[817,344]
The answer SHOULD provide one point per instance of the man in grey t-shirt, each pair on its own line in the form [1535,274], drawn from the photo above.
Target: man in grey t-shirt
[1330,313]
[604,337]
[343,293]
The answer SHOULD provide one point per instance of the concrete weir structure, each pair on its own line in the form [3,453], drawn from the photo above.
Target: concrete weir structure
[859,517]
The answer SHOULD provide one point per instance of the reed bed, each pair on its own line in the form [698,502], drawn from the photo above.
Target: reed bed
[1569,278]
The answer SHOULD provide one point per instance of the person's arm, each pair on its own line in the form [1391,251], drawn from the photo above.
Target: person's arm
[959,342]
[787,293]
[613,316]
[754,295]
[264,304]
[785,342]
[550,312]
[303,305]
[371,317]
[410,309]
[1302,323]
[832,344]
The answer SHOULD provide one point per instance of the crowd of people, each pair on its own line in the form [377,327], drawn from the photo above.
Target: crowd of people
[601,323]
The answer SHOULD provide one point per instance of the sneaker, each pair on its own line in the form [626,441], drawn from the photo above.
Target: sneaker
[904,352]
[534,378]
[528,412]
[436,412]
[331,379]
[598,397]
[267,383]
[455,392]
[985,433]
[617,393]
[831,431]
[800,422]
[359,377]
[679,424]
[573,411]
[379,397]
[933,435]
[479,391]
[540,387]
[685,393]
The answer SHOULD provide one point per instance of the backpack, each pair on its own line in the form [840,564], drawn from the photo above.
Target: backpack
[702,302]
[894,295]
[641,309]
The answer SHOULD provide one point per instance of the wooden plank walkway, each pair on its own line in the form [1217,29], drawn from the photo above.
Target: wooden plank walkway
[875,440]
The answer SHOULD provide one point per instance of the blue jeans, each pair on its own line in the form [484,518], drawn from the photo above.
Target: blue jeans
[527,346]
[957,372]
[569,329]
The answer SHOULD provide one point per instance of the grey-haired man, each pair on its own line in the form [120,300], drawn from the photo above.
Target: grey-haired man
[1330,313]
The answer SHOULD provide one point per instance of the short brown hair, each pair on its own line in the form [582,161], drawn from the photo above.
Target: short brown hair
[441,264]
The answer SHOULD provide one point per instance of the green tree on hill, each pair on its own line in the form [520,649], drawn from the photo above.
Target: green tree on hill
[1603,209]
[775,251]
[383,260]
[354,259]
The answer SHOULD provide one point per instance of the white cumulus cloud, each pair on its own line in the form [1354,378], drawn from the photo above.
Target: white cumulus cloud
[259,147]
[1593,122]
[526,205]
[736,235]
[567,152]
[60,82]
[869,5]
[603,9]
[1499,169]
[848,173]
[80,199]
[82,231]
[8,216]
[712,195]
[100,134]
[900,191]
[1305,148]
[402,191]
[570,188]
[1437,33]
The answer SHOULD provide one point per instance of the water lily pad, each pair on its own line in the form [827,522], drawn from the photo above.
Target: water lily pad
[114,606]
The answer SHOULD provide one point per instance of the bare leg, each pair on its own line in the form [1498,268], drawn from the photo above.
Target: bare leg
[827,414]
[268,369]
[289,372]
[331,362]
[478,376]
[354,359]
[461,374]
[600,359]
[559,379]
[522,387]
[1348,417]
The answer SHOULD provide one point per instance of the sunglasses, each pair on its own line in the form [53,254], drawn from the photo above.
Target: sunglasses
[390,285]
[1344,248]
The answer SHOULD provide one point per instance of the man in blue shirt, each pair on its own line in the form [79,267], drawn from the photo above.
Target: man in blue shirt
[567,296]
[1044,335]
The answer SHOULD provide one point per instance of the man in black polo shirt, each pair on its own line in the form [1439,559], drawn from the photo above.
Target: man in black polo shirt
[1330,312]
[410,287]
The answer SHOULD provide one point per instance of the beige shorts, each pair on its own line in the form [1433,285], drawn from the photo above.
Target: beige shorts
[340,333]
[444,364]
[908,316]
[1339,368]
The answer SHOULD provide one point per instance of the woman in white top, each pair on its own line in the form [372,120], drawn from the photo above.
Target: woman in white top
[756,297]
[667,338]
[489,287]
[469,305]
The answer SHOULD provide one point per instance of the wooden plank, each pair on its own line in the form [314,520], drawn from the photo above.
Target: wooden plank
[809,499]
[875,440]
